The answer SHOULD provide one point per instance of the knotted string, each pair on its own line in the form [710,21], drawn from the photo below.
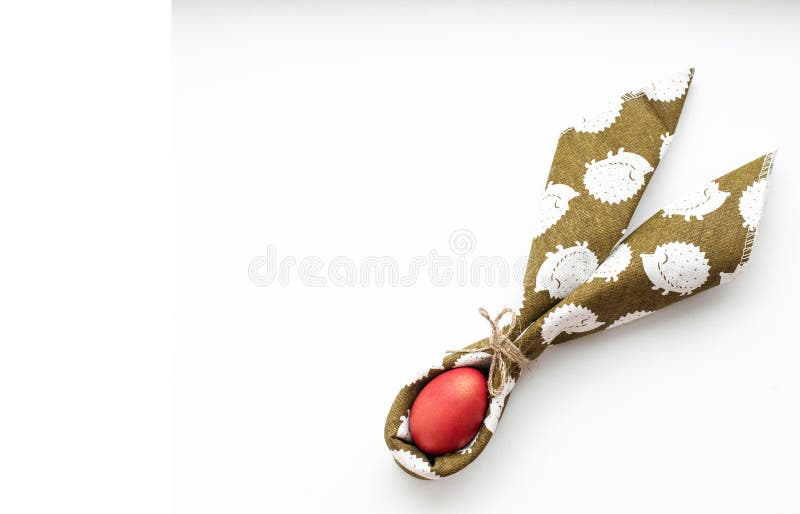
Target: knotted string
[504,351]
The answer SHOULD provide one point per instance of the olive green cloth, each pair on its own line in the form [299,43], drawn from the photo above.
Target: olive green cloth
[582,275]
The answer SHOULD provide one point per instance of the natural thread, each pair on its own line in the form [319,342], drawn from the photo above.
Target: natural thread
[504,351]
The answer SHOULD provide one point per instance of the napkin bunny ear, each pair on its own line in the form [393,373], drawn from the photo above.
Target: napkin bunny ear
[601,167]
[697,242]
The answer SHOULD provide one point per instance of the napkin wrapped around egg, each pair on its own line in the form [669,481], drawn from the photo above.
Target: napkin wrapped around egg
[581,276]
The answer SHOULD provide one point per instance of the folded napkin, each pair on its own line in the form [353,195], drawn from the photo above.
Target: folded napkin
[582,275]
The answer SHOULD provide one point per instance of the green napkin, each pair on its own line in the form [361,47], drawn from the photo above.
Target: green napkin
[582,275]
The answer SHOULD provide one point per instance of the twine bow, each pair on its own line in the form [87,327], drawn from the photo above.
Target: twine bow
[504,351]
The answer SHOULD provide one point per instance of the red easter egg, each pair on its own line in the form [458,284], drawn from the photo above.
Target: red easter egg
[449,411]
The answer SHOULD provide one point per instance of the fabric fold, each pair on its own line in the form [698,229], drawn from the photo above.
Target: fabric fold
[699,241]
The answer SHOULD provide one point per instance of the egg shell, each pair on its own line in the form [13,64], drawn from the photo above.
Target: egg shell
[449,410]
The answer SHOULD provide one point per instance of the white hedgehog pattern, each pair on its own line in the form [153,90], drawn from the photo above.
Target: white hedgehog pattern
[564,270]
[621,238]
[666,140]
[615,264]
[475,359]
[552,206]
[414,464]
[403,431]
[600,120]
[627,318]
[497,404]
[617,177]
[569,318]
[697,204]
[724,278]
[669,89]
[424,373]
[751,203]
[676,267]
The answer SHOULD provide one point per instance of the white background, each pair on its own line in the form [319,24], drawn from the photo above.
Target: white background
[87,257]
[367,129]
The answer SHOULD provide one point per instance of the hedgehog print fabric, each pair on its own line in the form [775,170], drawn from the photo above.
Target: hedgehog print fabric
[553,205]
[616,178]
[565,269]
[615,264]
[676,267]
[580,277]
